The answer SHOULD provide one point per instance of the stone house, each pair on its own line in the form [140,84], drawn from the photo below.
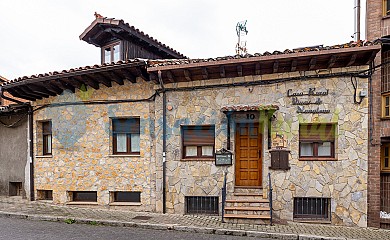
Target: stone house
[165,133]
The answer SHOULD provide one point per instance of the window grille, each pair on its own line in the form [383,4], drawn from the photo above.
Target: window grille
[202,205]
[311,208]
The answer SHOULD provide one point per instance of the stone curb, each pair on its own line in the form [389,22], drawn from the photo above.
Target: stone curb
[204,230]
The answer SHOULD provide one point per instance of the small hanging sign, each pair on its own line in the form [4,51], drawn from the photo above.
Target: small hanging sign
[223,157]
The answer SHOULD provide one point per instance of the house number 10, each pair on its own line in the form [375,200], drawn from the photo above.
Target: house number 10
[250,116]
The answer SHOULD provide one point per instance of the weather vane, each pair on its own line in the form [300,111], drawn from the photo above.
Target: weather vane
[241,32]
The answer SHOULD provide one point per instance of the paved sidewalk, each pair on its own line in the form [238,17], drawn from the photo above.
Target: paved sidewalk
[20,208]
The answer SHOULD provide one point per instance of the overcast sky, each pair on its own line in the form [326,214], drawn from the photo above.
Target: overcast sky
[43,35]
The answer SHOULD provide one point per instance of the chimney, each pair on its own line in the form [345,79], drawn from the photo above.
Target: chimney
[357,21]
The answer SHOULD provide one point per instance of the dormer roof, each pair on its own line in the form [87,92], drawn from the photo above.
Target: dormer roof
[105,30]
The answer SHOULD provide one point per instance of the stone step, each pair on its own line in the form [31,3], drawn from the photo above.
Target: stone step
[248,194]
[246,190]
[247,208]
[247,216]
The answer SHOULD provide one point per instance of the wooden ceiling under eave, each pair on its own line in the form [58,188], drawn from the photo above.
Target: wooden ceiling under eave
[44,86]
[280,63]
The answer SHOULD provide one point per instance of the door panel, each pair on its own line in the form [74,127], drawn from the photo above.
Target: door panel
[248,154]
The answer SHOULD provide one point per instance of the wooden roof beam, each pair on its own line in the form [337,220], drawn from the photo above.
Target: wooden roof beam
[102,79]
[39,90]
[75,83]
[17,94]
[187,75]
[127,75]
[294,65]
[89,81]
[257,69]
[332,61]
[312,63]
[142,74]
[222,72]
[239,70]
[25,91]
[276,66]
[352,60]
[114,77]
[372,57]
[64,85]
[170,76]
[205,73]
[52,87]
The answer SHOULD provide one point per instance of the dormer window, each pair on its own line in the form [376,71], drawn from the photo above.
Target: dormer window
[111,53]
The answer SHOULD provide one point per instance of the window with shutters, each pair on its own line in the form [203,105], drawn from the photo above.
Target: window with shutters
[198,142]
[47,138]
[126,136]
[317,141]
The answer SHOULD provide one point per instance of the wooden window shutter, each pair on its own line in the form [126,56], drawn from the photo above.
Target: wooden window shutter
[198,135]
[128,125]
[317,132]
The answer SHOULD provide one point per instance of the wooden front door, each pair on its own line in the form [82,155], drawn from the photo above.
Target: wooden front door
[248,155]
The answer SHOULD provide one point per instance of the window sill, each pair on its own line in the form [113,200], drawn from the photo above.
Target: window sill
[44,156]
[125,204]
[281,169]
[385,118]
[82,203]
[197,159]
[123,155]
[317,159]
[385,17]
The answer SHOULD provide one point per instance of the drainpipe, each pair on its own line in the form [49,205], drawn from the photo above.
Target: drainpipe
[30,138]
[164,140]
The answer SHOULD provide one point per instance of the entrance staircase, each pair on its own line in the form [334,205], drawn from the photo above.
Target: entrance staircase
[247,205]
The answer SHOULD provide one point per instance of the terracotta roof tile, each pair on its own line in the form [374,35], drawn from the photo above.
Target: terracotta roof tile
[166,62]
[80,69]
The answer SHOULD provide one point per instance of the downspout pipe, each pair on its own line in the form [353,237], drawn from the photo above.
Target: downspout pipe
[30,138]
[164,140]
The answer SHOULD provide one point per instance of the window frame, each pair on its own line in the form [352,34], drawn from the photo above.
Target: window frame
[386,11]
[111,46]
[45,135]
[128,137]
[383,156]
[132,197]
[198,146]
[384,96]
[316,143]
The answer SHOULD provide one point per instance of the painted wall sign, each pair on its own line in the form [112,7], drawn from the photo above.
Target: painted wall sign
[303,103]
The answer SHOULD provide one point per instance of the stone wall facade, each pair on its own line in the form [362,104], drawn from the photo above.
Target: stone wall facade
[82,157]
[343,180]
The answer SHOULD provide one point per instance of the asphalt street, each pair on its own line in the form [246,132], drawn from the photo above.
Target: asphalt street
[21,229]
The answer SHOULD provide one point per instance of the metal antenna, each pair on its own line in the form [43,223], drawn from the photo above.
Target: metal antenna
[241,32]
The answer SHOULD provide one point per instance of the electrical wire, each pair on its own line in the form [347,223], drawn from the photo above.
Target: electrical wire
[14,124]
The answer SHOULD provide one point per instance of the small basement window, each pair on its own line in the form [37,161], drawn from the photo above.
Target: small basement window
[202,205]
[307,208]
[45,194]
[83,196]
[123,196]
[15,189]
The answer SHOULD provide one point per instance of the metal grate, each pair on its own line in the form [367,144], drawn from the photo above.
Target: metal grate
[385,192]
[202,205]
[312,208]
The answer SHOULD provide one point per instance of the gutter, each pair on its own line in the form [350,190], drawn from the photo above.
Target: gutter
[30,138]
[164,140]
